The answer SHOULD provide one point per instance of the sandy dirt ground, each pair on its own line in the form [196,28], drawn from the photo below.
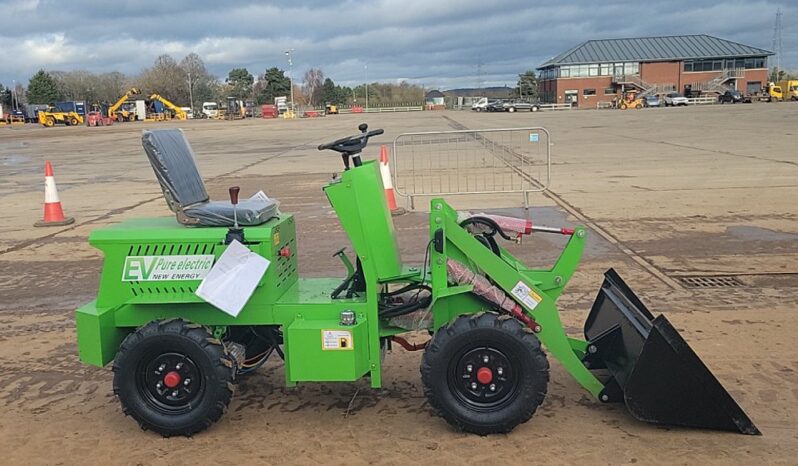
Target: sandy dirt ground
[667,193]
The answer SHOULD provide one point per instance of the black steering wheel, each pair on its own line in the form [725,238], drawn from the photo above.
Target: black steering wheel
[352,146]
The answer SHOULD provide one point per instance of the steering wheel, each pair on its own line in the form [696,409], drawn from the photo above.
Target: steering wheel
[352,146]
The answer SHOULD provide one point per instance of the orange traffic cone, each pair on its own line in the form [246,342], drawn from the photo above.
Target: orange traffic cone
[53,213]
[385,171]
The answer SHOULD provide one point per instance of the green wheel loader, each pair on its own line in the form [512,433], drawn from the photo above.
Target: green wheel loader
[492,322]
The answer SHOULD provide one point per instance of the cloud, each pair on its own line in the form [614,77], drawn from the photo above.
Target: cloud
[435,43]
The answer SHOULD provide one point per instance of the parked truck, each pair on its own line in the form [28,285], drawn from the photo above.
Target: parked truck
[282,104]
[210,109]
[783,90]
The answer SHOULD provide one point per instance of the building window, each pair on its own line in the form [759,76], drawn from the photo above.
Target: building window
[592,70]
[587,92]
[604,69]
[728,64]
[565,71]
[610,91]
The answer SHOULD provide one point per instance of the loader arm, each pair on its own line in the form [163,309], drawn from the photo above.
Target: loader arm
[130,93]
[542,287]
[179,113]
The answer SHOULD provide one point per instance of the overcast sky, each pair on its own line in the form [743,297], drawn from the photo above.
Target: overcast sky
[436,43]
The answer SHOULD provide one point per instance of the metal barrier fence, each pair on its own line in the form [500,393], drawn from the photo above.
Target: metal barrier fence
[490,161]
[566,106]
[382,109]
[706,100]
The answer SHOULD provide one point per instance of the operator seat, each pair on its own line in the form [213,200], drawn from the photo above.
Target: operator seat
[175,167]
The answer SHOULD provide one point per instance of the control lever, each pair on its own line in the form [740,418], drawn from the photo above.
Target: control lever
[235,232]
[363,128]
[234,200]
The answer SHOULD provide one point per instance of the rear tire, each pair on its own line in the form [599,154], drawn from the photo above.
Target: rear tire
[511,109]
[534,108]
[49,122]
[173,377]
[478,396]
[73,121]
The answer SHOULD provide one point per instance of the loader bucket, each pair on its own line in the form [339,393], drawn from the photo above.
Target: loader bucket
[654,371]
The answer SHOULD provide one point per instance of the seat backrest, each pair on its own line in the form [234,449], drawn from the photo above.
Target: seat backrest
[175,167]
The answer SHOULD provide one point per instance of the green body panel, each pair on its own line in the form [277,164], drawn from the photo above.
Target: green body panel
[309,360]
[304,308]
[359,202]
[98,335]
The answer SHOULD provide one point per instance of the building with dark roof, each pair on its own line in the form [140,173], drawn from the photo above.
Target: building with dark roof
[603,70]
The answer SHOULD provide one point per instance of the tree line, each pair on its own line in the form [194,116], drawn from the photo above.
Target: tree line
[188,83]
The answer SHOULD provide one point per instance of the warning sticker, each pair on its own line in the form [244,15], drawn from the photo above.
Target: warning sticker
[526,295]
[336,340]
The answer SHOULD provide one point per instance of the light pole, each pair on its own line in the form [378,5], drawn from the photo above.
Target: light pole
[366,79]
[13,94]
[190,93]
[289,53]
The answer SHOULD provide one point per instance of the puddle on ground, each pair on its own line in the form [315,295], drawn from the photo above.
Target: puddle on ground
[752,233]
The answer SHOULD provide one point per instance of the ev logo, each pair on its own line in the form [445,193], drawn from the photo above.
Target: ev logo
[138,268]
[159,268]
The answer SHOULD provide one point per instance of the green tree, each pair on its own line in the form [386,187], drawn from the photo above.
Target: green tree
[5,96]
[272,83]
[329,92]
[776,75]
[42,89]
[240,81]
[527,86]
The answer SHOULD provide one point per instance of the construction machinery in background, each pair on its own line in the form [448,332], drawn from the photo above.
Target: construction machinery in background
[783,90]
[163,110]
[53,116]
[123,109]
[235,109]
[331,109]
[210,109]
[631,100]
[98,116]
[188,305]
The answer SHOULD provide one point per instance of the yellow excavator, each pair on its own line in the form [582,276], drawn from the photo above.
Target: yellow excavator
[117,112]
[179,113]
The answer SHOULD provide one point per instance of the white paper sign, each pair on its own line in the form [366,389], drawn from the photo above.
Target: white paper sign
[233,278]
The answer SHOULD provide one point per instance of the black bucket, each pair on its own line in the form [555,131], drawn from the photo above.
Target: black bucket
[654,371]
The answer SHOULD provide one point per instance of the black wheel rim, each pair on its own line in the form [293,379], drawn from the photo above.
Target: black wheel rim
[469,381]
[169,382]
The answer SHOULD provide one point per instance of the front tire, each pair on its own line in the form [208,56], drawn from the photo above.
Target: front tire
[173,377]
[485,374]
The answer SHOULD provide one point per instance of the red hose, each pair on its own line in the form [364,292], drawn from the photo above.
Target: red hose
[409,346]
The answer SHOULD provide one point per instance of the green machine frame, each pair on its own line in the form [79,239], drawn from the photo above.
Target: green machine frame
[150,274]
[304,306]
